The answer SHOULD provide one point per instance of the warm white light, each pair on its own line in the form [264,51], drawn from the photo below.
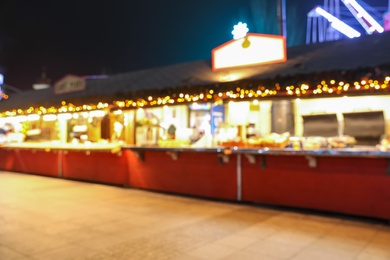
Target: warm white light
[97,113]
[33,117]
[195,106]
[117,112]
[49,117]
[13,119]
[263,49]
[240,30]
[65,116]
[85,114]
[21,118]
[230,77]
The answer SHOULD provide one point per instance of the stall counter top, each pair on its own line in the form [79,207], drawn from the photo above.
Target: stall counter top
[47,146]
[117,147]
[175,149]
[349,152]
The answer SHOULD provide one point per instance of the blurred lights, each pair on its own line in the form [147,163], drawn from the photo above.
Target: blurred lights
[240,30]
[97,113]
[33,117]
[49,117]
[331,87]
[65,116]
[117,112]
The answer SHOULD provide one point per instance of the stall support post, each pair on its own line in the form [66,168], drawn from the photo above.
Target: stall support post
[239,178]
[60,158]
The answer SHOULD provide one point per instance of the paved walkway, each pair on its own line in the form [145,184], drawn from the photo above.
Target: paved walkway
[48,218]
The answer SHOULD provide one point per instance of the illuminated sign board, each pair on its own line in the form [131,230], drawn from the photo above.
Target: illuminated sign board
[70,83]
[251,50]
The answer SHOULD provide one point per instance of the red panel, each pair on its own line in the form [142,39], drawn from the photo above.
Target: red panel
[100,167]
[36,161]
[351,185]
[7,160]
[340,184]
[193,173]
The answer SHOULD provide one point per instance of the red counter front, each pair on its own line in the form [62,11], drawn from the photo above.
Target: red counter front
[193,173]
[7,159]
[102,167]
[352,185]
[30,161]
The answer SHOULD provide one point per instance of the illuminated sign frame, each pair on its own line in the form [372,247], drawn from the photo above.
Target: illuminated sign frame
[251,50]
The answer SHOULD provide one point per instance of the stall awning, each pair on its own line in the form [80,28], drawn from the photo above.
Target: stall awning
[343,60]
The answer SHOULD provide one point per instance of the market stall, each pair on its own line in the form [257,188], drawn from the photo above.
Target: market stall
[294,133]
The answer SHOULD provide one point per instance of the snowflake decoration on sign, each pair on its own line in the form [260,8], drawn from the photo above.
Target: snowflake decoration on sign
[240,30]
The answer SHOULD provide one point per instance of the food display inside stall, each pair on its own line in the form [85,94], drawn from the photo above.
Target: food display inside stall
[343,141]
[272,140]
[384,144]
[78,131]
[342,122]
[245,124]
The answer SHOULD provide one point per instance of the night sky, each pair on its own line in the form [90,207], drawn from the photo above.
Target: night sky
[110,37]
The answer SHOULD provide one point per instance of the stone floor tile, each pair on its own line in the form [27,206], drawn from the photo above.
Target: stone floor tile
[9,254]
[212,251]
[273,249]
[29,244]
[48,218]
[318,254]
[64,253]
[246,255]
[294,237]
[379,247]
[236,241]
[337,246]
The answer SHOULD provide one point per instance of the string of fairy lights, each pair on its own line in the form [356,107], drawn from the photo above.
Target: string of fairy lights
[303,90]
[233,91]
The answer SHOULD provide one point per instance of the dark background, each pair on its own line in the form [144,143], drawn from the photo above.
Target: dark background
[86,37]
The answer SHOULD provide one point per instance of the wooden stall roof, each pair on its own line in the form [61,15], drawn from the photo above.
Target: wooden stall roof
[343,58]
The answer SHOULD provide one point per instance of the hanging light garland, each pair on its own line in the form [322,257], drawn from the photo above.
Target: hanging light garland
[239,90]
[324,88]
